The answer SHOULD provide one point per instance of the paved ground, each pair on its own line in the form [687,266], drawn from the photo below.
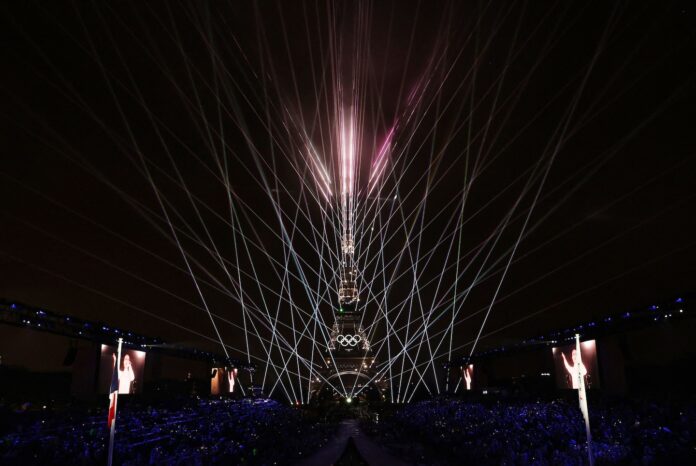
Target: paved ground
[373,454]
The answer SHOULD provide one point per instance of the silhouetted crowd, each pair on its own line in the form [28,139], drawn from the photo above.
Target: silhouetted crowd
[195,432]
[259,431]
[459,432]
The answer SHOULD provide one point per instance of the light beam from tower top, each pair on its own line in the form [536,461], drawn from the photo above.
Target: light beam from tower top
[347,153]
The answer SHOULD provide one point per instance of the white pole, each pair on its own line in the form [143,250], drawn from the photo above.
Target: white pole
[582,395]
[113,421]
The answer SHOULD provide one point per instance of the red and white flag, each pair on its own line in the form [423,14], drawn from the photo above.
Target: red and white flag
[582,398]
[113,395]
[113,402]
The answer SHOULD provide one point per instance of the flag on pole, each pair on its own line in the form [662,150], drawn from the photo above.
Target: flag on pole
[582,397]
[113,403]
[113,395]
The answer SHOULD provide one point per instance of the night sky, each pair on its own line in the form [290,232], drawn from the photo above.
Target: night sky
[97,96]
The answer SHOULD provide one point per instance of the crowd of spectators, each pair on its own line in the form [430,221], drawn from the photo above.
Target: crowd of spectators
[551,432]
[441,431]
[191,432]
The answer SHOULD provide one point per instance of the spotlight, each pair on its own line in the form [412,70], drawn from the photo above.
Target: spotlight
[349,400]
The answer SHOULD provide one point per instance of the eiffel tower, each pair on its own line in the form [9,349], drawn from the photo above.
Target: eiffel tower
[348,358]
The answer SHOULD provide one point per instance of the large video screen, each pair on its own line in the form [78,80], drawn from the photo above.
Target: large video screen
[130,370]
[223,380]
[568,363]
[468,377]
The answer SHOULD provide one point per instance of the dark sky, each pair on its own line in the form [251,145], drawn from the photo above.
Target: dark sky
[602,95]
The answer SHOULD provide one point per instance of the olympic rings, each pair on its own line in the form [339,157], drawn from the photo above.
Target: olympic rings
[348,340]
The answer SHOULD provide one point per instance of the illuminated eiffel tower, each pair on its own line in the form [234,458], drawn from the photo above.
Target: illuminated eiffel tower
[348,359]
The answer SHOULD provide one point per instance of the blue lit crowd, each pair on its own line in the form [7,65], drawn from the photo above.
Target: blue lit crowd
[459,432]
[190,432]
[196,431]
